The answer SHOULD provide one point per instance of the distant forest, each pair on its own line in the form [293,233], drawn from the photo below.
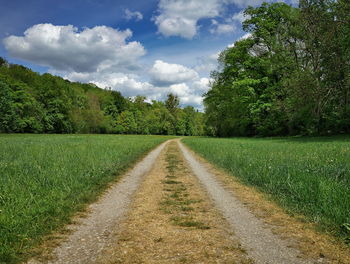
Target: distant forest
[34,103]
[290,75]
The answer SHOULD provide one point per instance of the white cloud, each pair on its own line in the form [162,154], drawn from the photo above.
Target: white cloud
[194,100]
[65,48]
[177,26]
[181,17]
[239,17]
[189,93]
[186,95]
[180,80]
[190,90]
[201,86]
[127,84]
[180,89]
[221,29]
[229,26]
[163,73]
[129,15]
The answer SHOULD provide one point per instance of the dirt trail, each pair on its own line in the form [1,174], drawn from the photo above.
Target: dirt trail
[171,209]
[173,221]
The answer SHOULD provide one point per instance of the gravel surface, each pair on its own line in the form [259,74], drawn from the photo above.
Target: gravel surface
[172,220]
[96,232]
[256,237]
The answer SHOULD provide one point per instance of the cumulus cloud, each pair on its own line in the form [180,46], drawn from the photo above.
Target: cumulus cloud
[129,15]
[190,90]
[181,17]
[163,73]
[192,94]
[239,17]
[180,89]
[65,48]
[187,96]
[221,29]
[127,84]
[189,93]
[201,86]
[229,25]
[194,100]
[165,78]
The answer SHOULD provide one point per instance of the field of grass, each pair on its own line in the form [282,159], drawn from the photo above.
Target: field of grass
[45,179]
[310,176]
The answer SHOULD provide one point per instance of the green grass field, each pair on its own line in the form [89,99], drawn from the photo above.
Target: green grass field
[310,176]
[45,179]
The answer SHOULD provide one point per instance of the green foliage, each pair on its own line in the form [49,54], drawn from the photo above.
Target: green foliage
[45,179]
[20,112]
[34,103]
[290,77]
[310,176]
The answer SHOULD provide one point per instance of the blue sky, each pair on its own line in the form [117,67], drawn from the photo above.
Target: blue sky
[149,48]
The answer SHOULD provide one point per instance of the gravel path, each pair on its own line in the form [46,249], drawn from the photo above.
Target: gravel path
[97,235]
[256,237]
[172,220]
[96,232]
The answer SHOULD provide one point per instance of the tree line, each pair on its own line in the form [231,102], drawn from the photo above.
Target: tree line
[35,103]
[291,76]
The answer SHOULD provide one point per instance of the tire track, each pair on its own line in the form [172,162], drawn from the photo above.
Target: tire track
[91,235]
[256,237]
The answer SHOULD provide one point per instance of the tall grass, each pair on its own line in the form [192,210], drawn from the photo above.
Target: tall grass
[305,175]
[44,179]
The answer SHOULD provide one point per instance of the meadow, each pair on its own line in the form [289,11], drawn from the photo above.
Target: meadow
[309,176]
[45,179]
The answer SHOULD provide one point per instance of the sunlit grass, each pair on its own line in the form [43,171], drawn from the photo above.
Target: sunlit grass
[305,175]
[44,179]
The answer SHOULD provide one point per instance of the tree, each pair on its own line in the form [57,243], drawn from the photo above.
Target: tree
[33,103]
[172,104]
[291,76]
[126,123]
[20,112]
[3,62]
